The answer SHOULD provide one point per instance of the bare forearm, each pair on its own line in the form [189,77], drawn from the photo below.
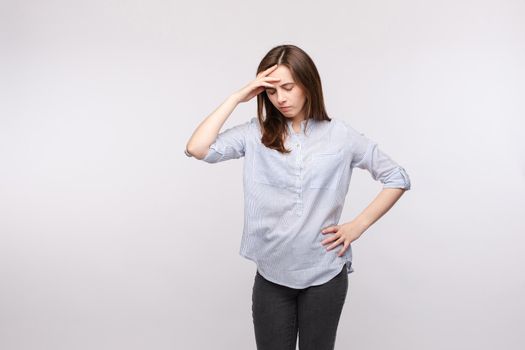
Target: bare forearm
[379,206]
[207,131]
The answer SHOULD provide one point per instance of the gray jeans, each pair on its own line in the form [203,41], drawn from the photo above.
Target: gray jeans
[280,313]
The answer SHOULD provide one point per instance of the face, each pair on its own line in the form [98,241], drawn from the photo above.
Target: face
[287,97]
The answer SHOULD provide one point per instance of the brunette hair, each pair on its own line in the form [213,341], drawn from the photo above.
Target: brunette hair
[304,73]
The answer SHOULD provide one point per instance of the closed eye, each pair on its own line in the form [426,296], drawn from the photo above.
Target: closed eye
[272,91]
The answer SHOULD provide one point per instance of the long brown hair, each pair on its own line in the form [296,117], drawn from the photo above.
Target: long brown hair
[304,73]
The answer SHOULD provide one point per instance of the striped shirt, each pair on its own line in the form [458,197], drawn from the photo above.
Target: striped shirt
[290,198]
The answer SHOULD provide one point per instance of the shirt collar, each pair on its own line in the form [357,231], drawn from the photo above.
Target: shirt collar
[303,122]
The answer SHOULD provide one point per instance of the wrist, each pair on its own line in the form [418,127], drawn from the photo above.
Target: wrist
[362,223]
[234,98]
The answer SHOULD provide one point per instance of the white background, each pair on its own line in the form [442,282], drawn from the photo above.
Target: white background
[111,238]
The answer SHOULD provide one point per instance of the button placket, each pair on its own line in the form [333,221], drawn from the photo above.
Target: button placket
[299,174]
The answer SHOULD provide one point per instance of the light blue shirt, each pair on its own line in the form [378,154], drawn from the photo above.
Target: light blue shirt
[290,198]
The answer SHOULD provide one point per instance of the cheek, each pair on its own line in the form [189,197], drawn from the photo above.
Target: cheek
[299,97]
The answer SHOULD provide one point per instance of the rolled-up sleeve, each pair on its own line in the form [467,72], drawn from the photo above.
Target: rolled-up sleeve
[229,144]
[367,155]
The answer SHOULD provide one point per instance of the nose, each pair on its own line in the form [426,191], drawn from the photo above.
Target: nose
[280,98]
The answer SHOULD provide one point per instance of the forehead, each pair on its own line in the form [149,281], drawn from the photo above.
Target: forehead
[282,72]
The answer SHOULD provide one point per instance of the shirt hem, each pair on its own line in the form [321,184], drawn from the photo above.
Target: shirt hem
[325,279]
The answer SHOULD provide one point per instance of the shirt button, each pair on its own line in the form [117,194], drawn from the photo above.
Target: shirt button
[298,145]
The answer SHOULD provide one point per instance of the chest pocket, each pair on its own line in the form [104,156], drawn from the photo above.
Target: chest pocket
[270,167]
[326,170]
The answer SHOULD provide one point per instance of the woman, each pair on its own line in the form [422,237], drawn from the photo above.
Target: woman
[297,169]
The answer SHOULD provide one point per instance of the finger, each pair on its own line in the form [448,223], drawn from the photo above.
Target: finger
[343,250]
[268,85]
[329,229]
[271,68]
[267,71]
[271,78]
[329,239]
[333,245]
